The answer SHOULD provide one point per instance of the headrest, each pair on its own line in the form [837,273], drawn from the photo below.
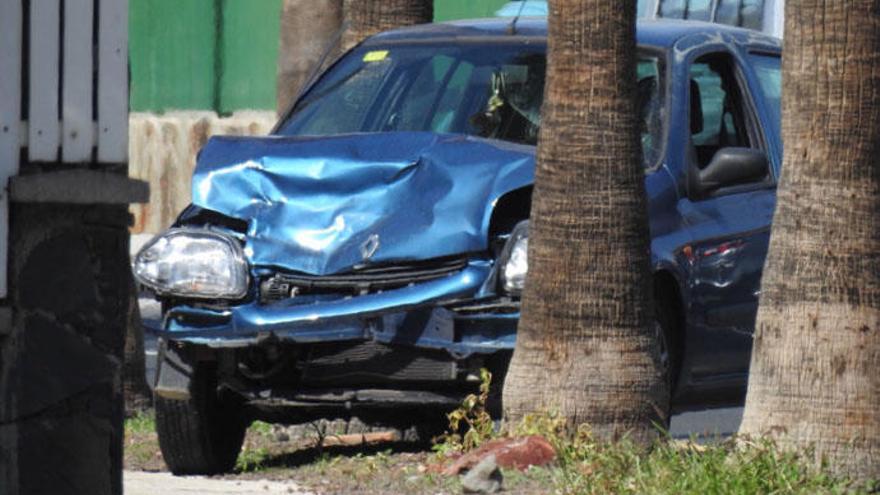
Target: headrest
[696,109]
[646,88]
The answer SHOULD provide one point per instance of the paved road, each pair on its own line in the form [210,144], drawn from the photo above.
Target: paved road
[141,483]
[707,424]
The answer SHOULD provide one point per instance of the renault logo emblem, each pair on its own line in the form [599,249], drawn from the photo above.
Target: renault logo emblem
[369,247]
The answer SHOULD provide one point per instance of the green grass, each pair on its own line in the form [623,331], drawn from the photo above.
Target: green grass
[261,427]
[141,445]
[254,453]
[583,465]
[141,423]
[251,459]
[587,466]
[673,468]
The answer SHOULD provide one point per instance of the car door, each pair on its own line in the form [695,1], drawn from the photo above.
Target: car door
[729,225]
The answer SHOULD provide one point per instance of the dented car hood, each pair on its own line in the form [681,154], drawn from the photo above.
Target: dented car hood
[323,205]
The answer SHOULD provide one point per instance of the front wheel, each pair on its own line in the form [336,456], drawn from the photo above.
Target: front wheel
[202,434]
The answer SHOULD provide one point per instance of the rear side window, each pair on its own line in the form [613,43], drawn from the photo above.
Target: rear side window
[768,70]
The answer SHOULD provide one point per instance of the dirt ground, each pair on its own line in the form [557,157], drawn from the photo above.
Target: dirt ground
[272,455]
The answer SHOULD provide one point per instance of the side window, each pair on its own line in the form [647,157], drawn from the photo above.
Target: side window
[767,68]
[717,112]
[652,109]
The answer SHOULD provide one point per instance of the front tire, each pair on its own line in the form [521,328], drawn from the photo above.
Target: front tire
[202,434]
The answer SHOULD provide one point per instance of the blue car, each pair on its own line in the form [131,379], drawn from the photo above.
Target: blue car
[368,257]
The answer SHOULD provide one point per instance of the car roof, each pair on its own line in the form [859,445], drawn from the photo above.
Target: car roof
[661,33]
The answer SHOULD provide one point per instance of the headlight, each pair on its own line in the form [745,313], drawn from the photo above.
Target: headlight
[193,263]
[514,260]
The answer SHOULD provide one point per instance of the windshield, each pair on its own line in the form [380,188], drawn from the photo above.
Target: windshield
[487,90]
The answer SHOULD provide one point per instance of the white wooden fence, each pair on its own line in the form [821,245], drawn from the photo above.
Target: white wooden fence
[61,100]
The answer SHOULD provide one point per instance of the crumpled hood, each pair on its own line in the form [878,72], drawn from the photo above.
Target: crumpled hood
[324,205]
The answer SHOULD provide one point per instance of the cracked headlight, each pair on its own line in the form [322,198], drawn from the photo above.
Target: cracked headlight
[514,260]
[194,263]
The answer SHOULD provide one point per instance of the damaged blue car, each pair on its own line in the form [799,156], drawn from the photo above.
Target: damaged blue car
[367,258]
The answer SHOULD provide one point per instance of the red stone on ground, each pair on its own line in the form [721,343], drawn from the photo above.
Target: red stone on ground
[510,453]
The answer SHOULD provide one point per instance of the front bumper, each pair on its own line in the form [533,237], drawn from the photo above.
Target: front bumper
[426,315]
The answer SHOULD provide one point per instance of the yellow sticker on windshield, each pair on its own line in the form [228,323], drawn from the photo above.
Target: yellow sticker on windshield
[375,56]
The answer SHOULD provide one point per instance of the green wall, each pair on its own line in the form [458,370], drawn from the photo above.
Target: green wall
[203,54]
[221,55]
[249,54]
[445,10]
[171,51]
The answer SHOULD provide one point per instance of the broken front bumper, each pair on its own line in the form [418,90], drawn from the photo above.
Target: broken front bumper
[447,313]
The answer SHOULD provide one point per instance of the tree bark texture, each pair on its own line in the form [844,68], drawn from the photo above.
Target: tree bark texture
[814,378]
[308,28]
[368,17]
[584,346]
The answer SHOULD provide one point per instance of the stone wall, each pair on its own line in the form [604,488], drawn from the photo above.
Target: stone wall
[162,151]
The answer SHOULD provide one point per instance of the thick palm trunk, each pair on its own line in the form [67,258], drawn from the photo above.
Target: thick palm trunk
[814,374]
[308,27]
[368,17]
[584,346]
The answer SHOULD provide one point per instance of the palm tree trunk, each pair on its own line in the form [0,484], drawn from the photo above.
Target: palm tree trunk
[307,30]
[368,17]
[814,375]
[584,346]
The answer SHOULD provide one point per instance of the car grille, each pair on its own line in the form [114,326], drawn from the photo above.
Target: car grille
[358,282]
[371,363]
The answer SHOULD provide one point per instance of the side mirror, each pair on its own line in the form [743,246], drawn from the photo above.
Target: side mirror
[733,166]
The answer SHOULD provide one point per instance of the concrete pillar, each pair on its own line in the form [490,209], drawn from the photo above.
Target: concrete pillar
[61,353]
